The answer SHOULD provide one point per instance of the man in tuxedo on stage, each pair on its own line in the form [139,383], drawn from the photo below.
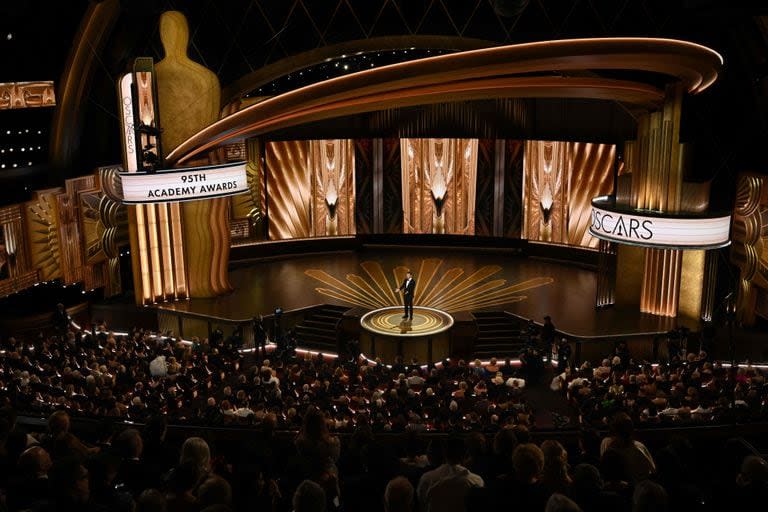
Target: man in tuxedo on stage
[408,288]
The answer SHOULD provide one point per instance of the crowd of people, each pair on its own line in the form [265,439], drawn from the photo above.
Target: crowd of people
[487,460]
[212,383]
[132,470]
[687,390]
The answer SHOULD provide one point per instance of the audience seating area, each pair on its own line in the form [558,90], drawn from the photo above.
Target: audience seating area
[313,432]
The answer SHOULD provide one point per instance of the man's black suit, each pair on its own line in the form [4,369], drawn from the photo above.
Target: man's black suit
[408,288]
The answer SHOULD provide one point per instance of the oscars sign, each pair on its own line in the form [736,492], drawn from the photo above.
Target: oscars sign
[184,184]
[663,231]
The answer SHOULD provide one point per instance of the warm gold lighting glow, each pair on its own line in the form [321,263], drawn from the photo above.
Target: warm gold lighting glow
[436,288]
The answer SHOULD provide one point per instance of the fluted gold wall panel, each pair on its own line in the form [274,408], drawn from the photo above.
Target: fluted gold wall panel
[591,175]
[289,190]
[439,182]
[656,163]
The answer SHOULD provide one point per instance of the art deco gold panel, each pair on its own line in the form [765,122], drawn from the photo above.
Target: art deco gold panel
[332,163]
[289,190]
[439,181]
[749,249]
[311,188]
[42,230]
[545,199]
[15,95]
[656,164]
[15,270]
[560,181]
[250,207]
[70,236]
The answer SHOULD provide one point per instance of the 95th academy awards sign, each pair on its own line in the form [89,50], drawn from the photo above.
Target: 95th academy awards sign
[184,184]
[657,230]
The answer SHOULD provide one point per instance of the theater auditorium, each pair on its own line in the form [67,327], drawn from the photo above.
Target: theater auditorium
[383,255]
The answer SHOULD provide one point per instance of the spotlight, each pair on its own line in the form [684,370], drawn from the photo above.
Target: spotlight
[9,36]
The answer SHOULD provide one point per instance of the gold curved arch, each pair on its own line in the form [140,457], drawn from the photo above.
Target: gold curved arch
[523,70]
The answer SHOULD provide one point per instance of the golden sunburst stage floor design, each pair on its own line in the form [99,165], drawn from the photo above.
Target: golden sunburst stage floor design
[443,290]
[389,321]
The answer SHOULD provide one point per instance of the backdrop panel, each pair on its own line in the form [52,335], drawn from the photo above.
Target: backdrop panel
[560,180]
[439,185]
[310,188]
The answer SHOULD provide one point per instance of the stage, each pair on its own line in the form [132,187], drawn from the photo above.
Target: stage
[455,280]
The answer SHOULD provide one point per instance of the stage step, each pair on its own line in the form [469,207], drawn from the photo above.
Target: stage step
[318,330]
[499,334]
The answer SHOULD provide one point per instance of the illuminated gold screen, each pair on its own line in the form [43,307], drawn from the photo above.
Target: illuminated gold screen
[311,188]
[439,185]
[560,179]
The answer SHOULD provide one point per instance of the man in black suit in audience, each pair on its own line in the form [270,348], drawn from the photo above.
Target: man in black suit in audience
[408,288]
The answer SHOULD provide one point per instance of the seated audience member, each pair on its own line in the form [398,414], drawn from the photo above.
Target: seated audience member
[214,494]
[521,480]
[181,486]
[649,497]
[561,503]
[132,474]
[504,443]
[196,452]
[151,500]
[60,442]
[398,495]
[31,487]
[70,485]
[104,493]
[587,490]
[447,486]
[319,448]
[752,481]
[637,459]
[614,472]
[309,497]
[555,478]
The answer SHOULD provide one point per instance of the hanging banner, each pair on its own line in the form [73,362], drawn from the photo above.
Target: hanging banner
[184,184]
[658,230]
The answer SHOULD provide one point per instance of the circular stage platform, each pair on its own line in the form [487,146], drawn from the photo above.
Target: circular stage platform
[390,322]
[386,334]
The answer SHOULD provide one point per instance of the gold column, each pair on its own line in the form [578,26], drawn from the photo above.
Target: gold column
[655,161]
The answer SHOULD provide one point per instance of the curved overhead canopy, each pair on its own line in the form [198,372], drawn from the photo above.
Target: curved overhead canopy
[538,69]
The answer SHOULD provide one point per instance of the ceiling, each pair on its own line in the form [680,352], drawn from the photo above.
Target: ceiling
[238,37]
